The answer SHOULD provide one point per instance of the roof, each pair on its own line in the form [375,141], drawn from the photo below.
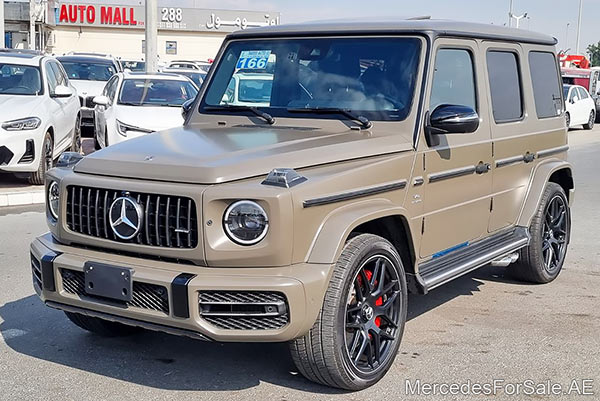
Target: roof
[393,26]
[86,59]
[153,75]
[20,58]
[183,71]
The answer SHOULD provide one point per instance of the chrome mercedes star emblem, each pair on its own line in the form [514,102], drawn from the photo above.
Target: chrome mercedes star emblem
[125,216]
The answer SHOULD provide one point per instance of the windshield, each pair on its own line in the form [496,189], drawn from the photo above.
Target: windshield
[20,80]
[88,71]
[373,76]
[156,92]
[197,77]
[134,65]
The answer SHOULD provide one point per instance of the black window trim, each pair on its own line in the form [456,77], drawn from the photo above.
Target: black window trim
[474,66]
[521,92]
[560,82]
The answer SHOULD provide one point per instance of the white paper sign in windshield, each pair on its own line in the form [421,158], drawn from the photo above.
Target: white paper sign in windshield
[253,60]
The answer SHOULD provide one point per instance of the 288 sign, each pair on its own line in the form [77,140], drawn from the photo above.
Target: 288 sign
[171,14]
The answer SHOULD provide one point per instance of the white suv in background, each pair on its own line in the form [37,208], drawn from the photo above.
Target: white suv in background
[39,114]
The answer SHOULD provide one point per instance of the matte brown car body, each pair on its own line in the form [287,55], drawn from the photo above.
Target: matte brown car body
[429,197]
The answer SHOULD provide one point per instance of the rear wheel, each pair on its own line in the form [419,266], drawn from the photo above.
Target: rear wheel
[46,161]
[101,327]
[550,230]
[591,120]
[356,337]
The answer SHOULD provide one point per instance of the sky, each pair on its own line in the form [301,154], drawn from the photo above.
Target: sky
[547,16]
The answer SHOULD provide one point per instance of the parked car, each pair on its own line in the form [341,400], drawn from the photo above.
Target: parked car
[413,153]
[39,114]
[190,65]
[249,89]
[581,108]
[586,77]
[135,104]
[195,75]
[134,65]
[89,72]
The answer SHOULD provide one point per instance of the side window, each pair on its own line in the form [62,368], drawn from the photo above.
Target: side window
[111,88]
[546,84]
[582,93]
[574,95]
[51,78]
[60,77]
[453,79]
[505,85]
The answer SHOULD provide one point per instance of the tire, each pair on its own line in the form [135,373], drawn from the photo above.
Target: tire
[76,141]
[323,354]
[106,138]
[591,120]
[101,327]
[46,161]
[568,120]
[542,261]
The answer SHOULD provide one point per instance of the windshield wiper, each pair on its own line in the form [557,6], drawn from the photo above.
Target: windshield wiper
[364,121]
[265,116]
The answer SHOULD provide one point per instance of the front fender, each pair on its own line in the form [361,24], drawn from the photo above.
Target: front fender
[539,178]
[337,226]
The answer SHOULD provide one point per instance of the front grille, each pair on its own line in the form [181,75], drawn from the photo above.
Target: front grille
[244,310]
[36,271]
[145,296]
[169,221]
[87,101]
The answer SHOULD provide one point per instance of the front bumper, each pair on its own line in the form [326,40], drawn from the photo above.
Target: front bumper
[87,117]
[302,285]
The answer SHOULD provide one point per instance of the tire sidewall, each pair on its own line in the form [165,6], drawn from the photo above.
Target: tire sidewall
[376,246]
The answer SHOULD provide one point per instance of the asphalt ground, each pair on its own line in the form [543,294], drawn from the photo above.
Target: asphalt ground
[482,328]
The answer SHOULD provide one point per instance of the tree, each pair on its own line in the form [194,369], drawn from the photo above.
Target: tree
[594,51]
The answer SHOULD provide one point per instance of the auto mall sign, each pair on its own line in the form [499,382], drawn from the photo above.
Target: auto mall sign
[170,18]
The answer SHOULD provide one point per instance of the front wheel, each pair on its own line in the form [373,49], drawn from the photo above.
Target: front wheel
[46,161]
[76,141]
[591,120]
[550,230]
[358,331]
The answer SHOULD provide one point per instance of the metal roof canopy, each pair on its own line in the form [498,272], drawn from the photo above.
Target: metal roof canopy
[434,27]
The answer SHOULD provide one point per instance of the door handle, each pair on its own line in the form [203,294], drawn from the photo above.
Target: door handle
[529,157]
[482,168]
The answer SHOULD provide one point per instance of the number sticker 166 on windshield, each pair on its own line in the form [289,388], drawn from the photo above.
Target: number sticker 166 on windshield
[253,60]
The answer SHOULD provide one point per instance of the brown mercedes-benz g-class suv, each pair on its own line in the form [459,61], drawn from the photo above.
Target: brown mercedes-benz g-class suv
[323,172]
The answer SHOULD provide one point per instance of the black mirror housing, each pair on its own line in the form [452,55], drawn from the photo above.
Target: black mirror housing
[452,119]
[186,107]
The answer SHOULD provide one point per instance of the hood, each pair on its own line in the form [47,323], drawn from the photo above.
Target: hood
[215,155]
[88,88]
[14,107]
[152,118]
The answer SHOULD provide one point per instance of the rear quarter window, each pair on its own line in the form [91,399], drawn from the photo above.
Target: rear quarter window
[546,84]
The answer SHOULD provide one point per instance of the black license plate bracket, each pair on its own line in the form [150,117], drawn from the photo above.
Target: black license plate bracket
[108,281]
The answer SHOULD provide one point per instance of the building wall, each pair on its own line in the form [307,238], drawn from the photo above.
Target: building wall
[127,43]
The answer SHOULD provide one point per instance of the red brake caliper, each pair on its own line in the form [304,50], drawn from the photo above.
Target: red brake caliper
[379,300]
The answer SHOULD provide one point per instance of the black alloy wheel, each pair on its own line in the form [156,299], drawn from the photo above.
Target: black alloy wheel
[372,314]
[555,229]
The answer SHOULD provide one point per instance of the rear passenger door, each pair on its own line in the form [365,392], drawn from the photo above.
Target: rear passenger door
[526,99]
[455,197]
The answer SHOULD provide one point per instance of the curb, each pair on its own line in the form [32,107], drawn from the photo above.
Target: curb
[21,198]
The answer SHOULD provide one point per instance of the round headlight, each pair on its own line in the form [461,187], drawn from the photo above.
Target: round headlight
[53,199]
[245,222]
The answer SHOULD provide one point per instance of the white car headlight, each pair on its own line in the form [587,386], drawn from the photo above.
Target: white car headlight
[245,222]
[53,199]
[22,124]
[123,129]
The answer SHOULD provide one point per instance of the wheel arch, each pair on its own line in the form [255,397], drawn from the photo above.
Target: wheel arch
[379,217]
[557,171]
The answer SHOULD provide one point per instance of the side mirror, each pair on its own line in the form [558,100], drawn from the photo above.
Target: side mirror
[186,108]
[101,100]
[453,119]
[62,91]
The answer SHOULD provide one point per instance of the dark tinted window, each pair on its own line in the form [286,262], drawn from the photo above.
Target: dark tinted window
[88,71]
[453,79]
[546,84]
[505,85]
[20,80]
[159,92]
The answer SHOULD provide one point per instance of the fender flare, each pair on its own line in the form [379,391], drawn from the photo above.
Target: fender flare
[330,239]
[539,178]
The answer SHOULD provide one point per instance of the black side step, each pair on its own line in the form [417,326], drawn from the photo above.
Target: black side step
[438,271]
